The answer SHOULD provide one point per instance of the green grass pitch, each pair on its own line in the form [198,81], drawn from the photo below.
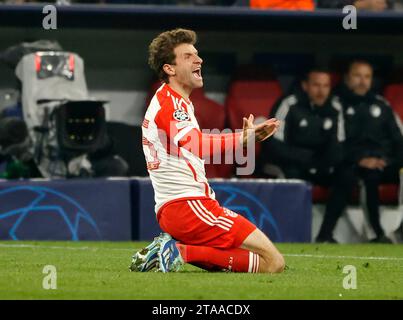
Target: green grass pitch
[99,270]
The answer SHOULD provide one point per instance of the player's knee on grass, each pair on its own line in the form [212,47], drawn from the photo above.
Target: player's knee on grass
[272,264]
[278,264]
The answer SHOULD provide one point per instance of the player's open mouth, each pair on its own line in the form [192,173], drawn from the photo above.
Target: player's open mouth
[197,74]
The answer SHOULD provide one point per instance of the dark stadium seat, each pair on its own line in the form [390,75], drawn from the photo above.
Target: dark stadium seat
[154,87]
[256,71]
[250,96]
[246,96]
[388,194]
[394,94]
[321,194]
[209,113]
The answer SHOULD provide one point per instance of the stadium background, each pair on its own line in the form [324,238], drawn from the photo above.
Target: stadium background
[250,58]
[266,50]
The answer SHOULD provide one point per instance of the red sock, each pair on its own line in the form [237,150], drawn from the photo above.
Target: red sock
[235,260]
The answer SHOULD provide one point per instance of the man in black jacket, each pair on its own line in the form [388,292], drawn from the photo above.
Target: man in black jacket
[374,140]
[308,144]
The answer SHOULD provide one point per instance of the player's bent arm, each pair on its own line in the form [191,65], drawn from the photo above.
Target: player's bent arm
[206,145]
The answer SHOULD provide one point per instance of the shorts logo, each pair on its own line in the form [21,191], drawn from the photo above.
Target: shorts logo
[181,115]
[230,213]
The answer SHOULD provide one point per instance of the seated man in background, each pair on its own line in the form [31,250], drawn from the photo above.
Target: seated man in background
[308,144]
[374,141]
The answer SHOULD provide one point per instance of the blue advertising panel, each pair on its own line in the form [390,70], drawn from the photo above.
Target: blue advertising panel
[121,209]
[96,209]
[147,227]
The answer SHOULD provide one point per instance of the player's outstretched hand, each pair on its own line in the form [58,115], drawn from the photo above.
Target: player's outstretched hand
[261,131]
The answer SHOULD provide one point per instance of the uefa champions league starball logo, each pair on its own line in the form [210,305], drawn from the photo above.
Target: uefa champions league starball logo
[24,210]
[250,207]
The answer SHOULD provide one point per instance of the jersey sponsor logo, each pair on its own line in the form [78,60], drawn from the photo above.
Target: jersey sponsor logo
[181,115]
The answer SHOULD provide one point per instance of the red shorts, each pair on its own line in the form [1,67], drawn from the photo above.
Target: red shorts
[202,221]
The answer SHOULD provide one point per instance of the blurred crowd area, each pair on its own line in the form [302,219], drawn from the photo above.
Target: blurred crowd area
[308,5]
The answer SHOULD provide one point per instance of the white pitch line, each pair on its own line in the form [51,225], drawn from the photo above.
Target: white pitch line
[342,257]
[3,245]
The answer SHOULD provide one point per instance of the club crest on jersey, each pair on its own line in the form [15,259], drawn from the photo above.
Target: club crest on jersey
[350,111]
[303,123]
[375,110]
[181,115]
[327,124]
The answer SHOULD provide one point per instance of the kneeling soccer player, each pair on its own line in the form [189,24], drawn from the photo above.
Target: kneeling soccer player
[197,229]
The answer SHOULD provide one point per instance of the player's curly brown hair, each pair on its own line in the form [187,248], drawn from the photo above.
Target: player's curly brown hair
[161,49]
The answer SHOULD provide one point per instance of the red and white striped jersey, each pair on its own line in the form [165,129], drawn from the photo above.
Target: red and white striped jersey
[175,172]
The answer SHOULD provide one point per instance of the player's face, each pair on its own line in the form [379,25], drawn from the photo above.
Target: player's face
[317,87]
[188,66]
[359,79]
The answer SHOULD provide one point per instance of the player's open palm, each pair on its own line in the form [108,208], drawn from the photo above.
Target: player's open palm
[261,131]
